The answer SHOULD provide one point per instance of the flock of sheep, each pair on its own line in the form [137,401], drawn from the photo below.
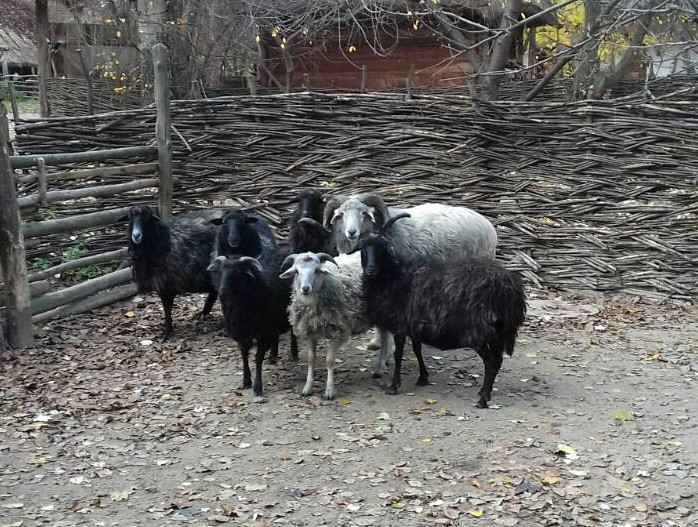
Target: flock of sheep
[427,272]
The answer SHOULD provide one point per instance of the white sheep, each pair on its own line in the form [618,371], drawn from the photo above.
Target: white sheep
[326,303]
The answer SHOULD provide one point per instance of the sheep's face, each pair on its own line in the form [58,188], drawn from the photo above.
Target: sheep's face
[234,223]
[310,204]
[235,272]
[357,217]
[306,268]
[377,257]
[139,221]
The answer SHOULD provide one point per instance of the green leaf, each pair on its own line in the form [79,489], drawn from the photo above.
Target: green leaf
[383,416]
[624,415]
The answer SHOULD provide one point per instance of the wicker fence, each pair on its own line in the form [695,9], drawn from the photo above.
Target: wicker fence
[596,195]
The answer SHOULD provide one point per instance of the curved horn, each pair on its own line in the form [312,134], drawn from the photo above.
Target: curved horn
[324,257]
[254,261]
[288,261]
[317,224]
[392,220]
[331,206]
[374,200]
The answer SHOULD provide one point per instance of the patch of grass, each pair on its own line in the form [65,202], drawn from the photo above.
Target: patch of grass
[47,214]
[39,264]
[74,252]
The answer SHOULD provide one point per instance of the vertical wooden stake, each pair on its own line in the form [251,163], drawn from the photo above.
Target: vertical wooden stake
[41,179]
[42,38]
[163,131]
[88,80]
[363,78]
[252,84]
[18,318]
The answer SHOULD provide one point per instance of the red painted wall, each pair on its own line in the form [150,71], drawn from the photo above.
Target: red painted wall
[433,65]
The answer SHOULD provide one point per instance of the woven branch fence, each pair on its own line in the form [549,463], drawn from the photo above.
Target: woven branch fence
[600,195]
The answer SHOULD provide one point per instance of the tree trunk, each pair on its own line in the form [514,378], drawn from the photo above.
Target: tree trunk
[589,53]
[610,79]
[501,51]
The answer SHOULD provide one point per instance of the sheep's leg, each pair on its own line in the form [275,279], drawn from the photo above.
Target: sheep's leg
[399,350]
[262,349]
[308,388]
[294,346]
[167,300]
[246,376]
[375,344]
[208,305]
[329,386]
[274,353]
[423,379]
[492,358]
[387,347]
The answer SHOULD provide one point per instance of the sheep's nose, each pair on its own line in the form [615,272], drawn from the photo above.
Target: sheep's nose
[305,289]
[351,233]
[233,242]
[137,237]
[371,270]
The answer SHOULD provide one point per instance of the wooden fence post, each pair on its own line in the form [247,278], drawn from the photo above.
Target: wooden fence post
[163,131]
[42,41]
[12,258]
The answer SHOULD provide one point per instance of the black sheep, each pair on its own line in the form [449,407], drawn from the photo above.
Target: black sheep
[171,257]
[307,234]
[242,234]
[465,302]
[254,301]
[245,234]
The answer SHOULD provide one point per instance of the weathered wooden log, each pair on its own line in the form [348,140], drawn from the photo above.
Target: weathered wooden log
[101,299]
[88,192]
[163,131]
[35,289]
[100,172]
[95,259]
[12,257]
[84,157]
[73,223]
[81,290]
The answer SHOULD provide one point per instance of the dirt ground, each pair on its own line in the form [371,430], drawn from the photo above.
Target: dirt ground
[593,423]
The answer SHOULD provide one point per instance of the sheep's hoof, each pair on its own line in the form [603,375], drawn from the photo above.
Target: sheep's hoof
[377,375]
[259,399]
[257,390]
[165,334]
[391,390]
[245,385]
[422,381]
[273,359]
[329,395]
[482,403]
[307,392]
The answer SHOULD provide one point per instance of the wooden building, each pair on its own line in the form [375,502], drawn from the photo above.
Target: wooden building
[381,54]
[17,46]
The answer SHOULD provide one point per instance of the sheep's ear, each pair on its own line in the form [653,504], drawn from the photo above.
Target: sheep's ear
[123,218]
[289,260]
[288,273]
[372,214]
[392,255]
[293,200]
[252,219]
[216,264]
[216,221]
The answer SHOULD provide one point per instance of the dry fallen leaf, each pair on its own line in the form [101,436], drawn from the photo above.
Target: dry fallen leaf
[551,480]
[624,415]
[120,495]
[130,314]
[476,512]
[344,402]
